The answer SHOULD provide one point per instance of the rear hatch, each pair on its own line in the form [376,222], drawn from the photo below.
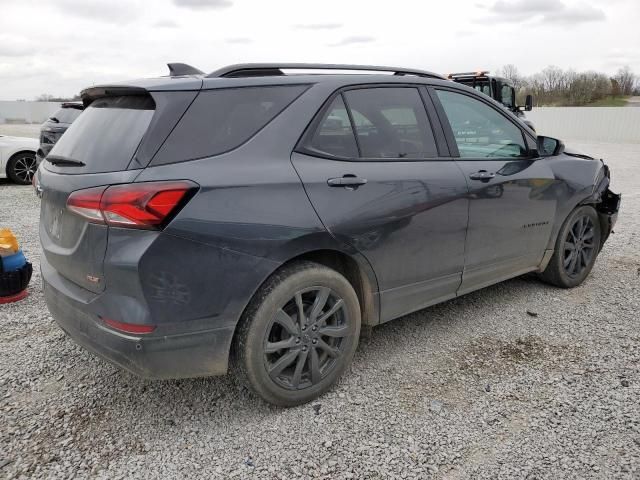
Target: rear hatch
[96,150]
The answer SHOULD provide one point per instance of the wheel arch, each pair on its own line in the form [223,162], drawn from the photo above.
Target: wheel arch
[358,273]
[14,154]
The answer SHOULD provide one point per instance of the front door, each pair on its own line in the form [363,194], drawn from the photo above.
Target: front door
[389,193]
[512,206]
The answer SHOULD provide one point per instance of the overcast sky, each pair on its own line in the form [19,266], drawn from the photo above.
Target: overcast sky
[62,46]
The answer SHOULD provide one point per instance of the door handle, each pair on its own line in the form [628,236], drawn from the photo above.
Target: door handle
[482,175]
[348,180]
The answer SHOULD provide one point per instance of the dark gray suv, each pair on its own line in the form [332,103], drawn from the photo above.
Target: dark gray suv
[257,218]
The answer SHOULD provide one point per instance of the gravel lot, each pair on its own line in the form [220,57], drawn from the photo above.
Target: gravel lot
[520,380]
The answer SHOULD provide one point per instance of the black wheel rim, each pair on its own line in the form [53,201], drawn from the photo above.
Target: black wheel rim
[24,168]
[306,338]
[579,246]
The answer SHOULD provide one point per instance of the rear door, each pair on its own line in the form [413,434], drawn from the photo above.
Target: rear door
[512,205]
[380,178]
[95,151]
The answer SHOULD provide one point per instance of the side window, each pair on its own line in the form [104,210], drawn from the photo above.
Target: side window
[334,135]
[507,95]
[479,130]
[222,119]
[391,123]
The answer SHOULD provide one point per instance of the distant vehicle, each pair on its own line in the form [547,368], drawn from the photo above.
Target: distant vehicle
[499,88]
[257,219]
[18,159]
[55,126]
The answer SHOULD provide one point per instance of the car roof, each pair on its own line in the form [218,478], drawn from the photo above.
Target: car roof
[244,75]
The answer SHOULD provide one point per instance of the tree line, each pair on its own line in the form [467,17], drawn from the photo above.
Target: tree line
[47,97]
[551,86]
[555,86]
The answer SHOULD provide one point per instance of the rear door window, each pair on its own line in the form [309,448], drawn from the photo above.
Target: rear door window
[221,120]
[391,123]
[334,135]
[107,134]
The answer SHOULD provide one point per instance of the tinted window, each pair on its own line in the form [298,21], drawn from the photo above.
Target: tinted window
[66,115]
[334,135]
[391,123]
[223,119]
[481,131]
[107,134]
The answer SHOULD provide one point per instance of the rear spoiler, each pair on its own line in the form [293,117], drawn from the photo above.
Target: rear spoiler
[76,105]
[88,95]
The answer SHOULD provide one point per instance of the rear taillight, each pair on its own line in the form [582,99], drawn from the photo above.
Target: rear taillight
[86,203]
[148,205]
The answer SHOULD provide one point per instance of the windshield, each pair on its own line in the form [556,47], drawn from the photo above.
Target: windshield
[483,86]
[107,134]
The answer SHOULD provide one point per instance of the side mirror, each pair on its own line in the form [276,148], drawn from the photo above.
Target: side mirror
[528,103]
[548,146]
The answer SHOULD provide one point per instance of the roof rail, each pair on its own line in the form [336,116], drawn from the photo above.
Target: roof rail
[178,69]
[275,69]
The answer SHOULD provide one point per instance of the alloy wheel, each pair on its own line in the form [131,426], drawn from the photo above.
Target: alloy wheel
[24,168]
[579,246]
[304,341]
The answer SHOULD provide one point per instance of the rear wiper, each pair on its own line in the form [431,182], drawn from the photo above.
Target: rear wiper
[64,161]
[54,119]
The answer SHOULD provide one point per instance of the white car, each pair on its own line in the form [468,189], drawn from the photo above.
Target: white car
[18,158]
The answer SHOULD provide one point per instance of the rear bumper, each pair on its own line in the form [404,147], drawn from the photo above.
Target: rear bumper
[179,355]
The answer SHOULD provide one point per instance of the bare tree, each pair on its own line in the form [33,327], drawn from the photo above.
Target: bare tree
[626,80]
[554,86]
[511,73]
[45,97]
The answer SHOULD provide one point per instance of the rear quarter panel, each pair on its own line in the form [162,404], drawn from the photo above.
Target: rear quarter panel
[250,215]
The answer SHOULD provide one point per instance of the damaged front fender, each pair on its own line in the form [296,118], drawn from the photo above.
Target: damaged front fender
[608,213]
[606,203]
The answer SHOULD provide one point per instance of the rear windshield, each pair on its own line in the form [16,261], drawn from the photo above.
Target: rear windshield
[66,115]
[223,119]
[107,134]
[482,86]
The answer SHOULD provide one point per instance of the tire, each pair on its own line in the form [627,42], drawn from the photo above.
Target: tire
[570,266]
[325,340]
[21,168]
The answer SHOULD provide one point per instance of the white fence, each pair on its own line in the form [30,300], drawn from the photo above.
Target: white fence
[26,112]
[600,124]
